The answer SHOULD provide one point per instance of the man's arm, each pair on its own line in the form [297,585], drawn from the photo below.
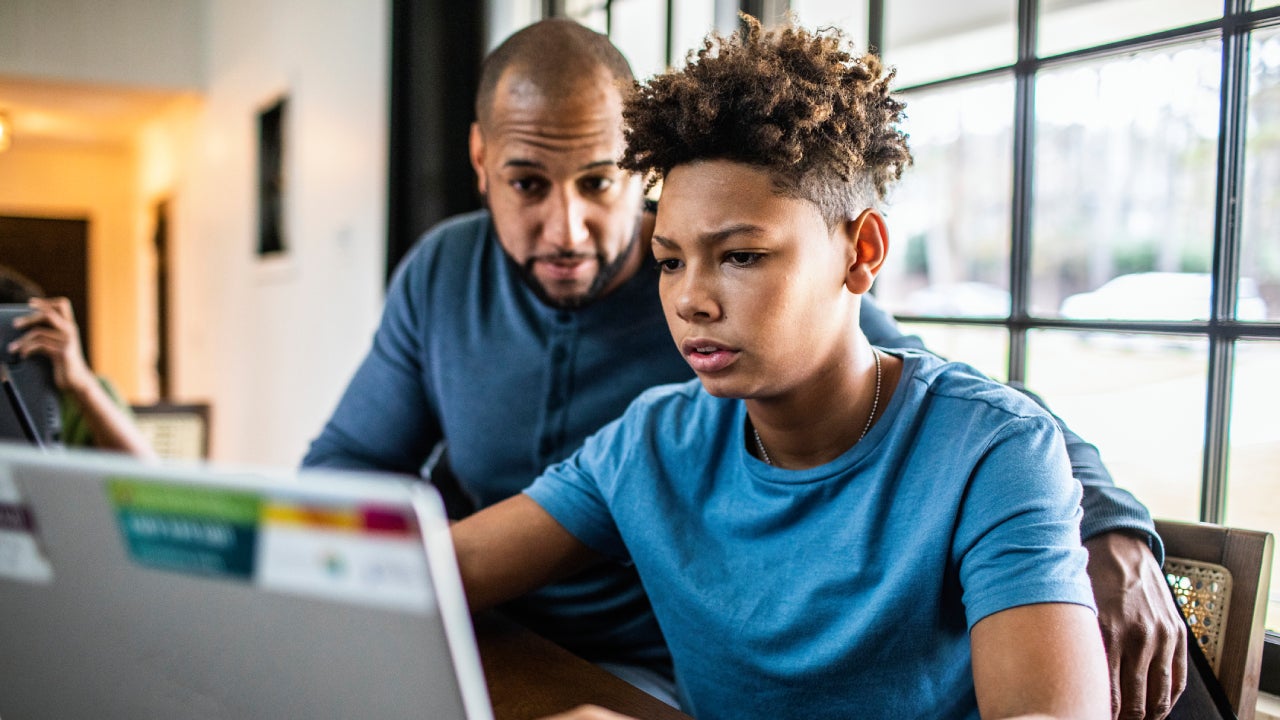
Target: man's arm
[1043,660]
[513,547]
[1142,630]
[384,421]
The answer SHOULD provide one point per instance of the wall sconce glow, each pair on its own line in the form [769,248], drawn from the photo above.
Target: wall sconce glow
[6,132]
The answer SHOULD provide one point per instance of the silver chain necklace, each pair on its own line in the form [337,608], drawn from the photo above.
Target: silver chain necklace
[875,403]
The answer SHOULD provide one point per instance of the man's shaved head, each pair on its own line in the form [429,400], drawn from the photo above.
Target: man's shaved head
[553,55]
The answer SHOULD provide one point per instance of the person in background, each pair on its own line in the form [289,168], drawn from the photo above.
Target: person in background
[826,529]
[515,332]
[93,415]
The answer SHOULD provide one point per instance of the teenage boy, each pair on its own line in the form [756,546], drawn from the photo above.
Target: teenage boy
[824,528]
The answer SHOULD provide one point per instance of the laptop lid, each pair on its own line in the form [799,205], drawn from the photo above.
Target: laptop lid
[130,590]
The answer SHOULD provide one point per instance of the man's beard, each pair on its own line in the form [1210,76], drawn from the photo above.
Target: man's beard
[607,273]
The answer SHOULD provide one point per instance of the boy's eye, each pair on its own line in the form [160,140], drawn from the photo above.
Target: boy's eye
[742,258]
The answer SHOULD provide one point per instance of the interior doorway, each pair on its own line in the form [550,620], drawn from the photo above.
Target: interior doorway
[54,253]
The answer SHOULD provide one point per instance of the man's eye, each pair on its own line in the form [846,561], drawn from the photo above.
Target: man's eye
[528,186]
[668,265]
[596,184]
[742,258]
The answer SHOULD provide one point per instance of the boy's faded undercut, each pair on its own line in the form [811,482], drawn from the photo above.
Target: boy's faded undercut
[800,104]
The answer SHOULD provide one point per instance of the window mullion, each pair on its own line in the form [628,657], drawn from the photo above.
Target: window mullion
[1226,248]
[875,27]
[1023,176]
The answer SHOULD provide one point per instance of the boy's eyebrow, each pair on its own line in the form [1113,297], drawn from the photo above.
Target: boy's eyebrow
[713,238]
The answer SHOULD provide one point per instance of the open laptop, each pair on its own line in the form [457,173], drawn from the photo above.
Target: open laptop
[130,590]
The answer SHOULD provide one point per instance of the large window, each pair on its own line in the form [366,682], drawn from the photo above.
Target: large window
[652,34]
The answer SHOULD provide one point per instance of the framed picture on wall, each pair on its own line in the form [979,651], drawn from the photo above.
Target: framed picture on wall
[272,235]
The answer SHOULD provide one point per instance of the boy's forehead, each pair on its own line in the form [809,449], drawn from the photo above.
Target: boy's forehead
[711,197]
[725,187]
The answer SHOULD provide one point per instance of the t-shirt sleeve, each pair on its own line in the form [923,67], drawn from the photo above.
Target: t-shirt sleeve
[1017,541]
[574,491]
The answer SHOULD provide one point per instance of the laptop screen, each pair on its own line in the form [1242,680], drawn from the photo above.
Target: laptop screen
[131,590]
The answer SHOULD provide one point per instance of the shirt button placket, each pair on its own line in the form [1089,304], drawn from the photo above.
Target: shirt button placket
[556,401]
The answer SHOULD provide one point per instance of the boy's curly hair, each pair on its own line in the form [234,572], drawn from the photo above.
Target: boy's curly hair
[799,104]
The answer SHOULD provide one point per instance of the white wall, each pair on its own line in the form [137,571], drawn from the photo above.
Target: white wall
[156,43]
[269,343]
[272,342]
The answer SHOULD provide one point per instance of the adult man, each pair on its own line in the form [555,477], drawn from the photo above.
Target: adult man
[517,332]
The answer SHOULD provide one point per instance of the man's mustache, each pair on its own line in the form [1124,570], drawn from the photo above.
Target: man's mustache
[561,256]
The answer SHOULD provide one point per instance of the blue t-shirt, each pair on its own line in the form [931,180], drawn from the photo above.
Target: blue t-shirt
[842,590]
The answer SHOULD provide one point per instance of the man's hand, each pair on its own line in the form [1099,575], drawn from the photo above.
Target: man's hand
[1141,628]
[51,331]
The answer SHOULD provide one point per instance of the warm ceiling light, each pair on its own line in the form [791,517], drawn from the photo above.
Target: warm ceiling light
[6,132]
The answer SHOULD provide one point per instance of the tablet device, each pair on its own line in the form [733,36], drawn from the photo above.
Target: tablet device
[30,405]
[132,590]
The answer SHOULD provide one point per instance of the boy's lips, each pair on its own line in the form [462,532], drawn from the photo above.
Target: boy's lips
[708,356]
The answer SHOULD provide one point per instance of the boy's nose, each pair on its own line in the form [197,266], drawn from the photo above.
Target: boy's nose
[695,301]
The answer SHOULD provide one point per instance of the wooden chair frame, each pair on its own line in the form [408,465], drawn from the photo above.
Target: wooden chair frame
[1247,555]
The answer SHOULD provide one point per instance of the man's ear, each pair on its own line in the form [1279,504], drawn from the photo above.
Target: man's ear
[476,147]
[867,241]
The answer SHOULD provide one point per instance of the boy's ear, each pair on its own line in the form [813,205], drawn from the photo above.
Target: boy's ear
[475,144]
[867,241]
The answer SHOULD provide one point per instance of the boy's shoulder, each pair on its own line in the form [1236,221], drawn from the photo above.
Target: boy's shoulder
[962,383]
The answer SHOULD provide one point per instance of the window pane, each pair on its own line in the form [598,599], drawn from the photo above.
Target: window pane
[949,235]
[639,29]
[985,348]
[850,16]
[1125,174]
[591,13]
[504,18]
[1074,24]
[693,20]
[1254,452]
[929,40]
[1259,288]
[1140,399]
[1259,4]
